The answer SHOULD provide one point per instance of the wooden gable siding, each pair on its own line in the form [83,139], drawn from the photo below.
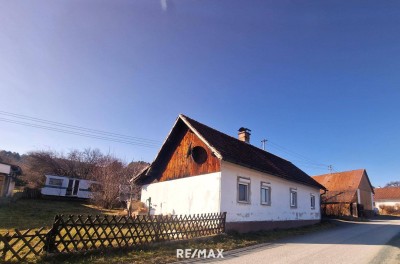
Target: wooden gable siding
[182,165]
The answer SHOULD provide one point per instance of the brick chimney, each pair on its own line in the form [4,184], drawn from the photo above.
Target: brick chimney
[244,134]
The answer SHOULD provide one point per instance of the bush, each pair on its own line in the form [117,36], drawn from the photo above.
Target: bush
[390,209]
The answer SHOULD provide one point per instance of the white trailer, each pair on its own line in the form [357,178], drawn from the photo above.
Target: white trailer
[67,187]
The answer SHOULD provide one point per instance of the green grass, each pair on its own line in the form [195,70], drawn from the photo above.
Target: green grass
[31,213]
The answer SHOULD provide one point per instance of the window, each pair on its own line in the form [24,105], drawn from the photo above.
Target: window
[265,193]
[199,155]
[312,201]
[243,190]
[55,182]
[293,198]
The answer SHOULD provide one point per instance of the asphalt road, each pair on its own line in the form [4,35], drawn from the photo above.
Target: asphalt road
[372,242]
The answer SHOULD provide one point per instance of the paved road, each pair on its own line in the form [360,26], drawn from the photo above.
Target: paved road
[372,242]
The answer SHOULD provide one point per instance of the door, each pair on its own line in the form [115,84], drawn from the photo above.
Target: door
[76,188]
[69,188]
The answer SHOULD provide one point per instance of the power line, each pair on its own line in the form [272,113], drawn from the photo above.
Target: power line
[120,138]
[130,142]
[79,128]
[307,162]
[300,156]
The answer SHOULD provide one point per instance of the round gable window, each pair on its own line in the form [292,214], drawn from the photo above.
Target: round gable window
[199,155]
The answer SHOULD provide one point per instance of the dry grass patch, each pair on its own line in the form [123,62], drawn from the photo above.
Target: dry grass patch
[35,213]
[166,252]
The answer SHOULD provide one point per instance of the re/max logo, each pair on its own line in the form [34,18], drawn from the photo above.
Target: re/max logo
[199,253]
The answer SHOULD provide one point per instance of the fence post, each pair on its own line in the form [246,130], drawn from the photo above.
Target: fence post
[157,227]
[223,221]
[50,246]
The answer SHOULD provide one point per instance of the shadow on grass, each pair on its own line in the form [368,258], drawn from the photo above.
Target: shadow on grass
[165,252]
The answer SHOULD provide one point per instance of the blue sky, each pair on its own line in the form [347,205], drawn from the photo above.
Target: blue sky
[319,78]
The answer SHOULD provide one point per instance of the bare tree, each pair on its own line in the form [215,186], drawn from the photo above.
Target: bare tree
[108,171]
[133,169]
[393,184]
[109,174]
[40,163]
[78,164]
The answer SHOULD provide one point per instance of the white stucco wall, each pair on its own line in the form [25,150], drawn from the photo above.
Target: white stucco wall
[191,195]
[387,203]
[279,210]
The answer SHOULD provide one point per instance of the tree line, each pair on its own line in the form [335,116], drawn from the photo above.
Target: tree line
[91,164]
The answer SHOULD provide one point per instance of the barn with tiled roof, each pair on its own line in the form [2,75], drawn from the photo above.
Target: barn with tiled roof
[348,193]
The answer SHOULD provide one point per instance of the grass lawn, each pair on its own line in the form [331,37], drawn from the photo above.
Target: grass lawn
[35,213]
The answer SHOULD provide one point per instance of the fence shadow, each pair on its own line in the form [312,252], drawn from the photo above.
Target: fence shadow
[78,234]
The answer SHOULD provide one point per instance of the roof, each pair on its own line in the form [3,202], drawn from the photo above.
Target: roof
[387,193]
[339,196]
[12,171]
[231,149]
[5,168]
[342,181]
[69,177]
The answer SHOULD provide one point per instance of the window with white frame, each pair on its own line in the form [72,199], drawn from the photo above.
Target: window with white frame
[55,182]
[265,193]
[312,201]
[293,198]
[243,190]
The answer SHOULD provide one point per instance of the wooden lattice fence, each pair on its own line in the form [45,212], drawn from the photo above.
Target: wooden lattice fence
[76,233]
[22,245]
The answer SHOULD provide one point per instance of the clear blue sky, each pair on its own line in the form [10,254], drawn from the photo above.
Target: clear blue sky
[320,78]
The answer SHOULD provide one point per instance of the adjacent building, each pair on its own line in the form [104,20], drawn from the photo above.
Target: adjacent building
[387,199]
[8,174]
[349,193]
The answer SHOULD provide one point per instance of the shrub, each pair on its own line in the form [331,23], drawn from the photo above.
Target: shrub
[390,209]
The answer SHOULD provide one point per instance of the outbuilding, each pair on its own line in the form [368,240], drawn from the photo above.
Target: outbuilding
[349,193]
[8,174]
[387,200]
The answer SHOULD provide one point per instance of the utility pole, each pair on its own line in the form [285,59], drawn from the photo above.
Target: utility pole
[330,168]
[149,200]
[263,143]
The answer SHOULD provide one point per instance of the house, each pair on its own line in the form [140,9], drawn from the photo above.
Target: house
[387,198]
[67,187]
[201,170]
[349,193]
[8,174]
